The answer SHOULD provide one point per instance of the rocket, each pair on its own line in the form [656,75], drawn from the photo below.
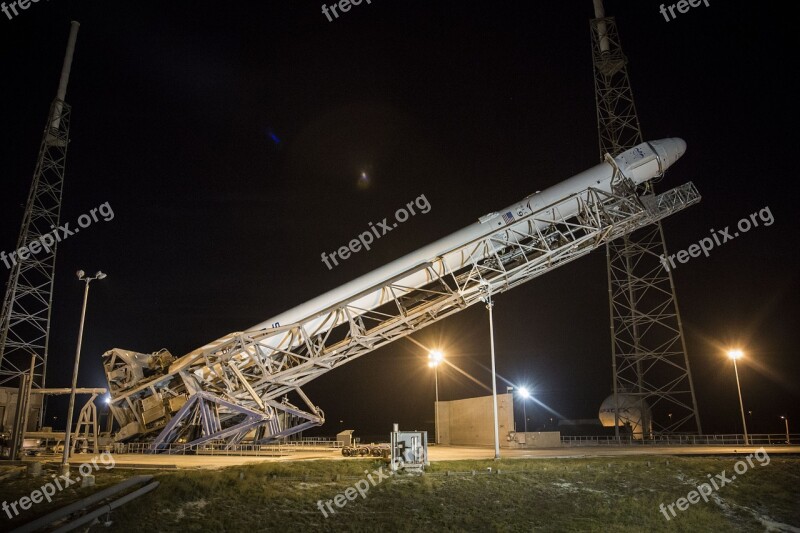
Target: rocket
[452,253]
[244,373]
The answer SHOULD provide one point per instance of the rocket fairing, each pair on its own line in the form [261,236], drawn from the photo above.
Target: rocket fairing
[449,254]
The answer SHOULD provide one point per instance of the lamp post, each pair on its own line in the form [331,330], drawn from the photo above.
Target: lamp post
[434,358]
[786,421]
[737,354]
[525,395]
[68,432]
[489,305]
[510,390]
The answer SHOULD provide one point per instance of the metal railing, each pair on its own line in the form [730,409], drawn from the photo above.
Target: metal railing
[758,439]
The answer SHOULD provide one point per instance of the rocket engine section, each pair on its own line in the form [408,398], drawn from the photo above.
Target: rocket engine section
[147,408]
[125,369]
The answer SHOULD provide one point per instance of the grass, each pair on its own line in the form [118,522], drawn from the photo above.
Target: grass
[596,494]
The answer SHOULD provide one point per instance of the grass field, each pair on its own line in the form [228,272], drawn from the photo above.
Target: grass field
[598,494]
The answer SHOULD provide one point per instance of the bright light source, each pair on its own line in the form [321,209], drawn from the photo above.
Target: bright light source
[735,354]
[431,364]
[525,393]
[435,357]
[108,399]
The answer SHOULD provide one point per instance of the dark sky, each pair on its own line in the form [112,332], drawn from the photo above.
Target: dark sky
[228,137]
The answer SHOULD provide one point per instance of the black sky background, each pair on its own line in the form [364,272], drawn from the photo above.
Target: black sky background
[218,227]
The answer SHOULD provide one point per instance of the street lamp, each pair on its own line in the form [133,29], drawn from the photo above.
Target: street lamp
[525,395]
[68,433]
[487,299]
[786,421]
[434,358]
[738,354]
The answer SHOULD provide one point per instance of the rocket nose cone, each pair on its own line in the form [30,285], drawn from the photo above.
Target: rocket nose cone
[669,151]
[680,146]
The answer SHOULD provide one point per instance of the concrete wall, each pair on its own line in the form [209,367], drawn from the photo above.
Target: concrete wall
[469,422]
[539,439]
[8,409]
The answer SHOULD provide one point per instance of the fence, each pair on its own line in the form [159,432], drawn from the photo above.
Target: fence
[765,439]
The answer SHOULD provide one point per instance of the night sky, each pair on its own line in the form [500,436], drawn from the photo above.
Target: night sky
[229,139]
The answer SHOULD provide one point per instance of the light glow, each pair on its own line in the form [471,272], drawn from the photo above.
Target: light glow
[434,358]
[735,354]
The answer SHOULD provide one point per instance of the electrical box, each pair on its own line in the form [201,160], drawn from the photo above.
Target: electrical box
[409,450]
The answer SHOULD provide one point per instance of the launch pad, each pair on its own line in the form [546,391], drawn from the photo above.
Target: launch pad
[236,389]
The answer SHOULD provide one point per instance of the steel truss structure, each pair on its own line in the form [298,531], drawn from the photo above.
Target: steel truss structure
[238,387]
[25,317]
[649,357]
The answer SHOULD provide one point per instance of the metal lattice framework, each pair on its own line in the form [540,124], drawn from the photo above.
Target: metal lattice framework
[239,385]
[649,356]
[25,318]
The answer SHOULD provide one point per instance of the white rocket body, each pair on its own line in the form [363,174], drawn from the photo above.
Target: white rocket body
[640,164]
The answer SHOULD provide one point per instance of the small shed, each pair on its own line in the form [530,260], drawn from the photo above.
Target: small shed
[345,437]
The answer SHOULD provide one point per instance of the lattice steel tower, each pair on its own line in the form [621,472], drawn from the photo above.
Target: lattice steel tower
[25,316]
[649,357]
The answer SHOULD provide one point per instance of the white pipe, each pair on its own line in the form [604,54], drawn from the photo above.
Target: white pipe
[602,30]
[61,94]
[65,69]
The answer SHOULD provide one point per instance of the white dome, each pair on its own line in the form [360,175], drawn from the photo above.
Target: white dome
[633,411]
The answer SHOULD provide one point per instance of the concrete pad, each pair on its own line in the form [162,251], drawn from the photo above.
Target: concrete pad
[436,453]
